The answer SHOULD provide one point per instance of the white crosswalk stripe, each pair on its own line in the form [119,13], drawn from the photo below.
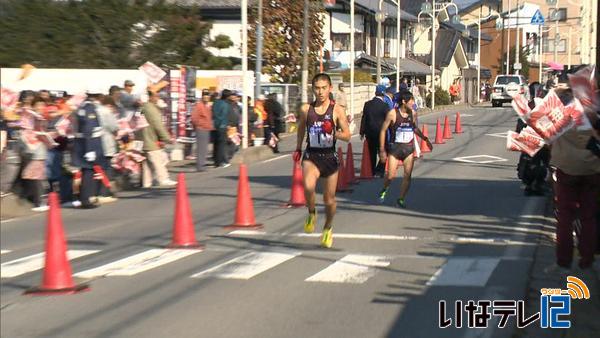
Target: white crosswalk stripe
[35,262]
[354,269]
[464,272]
[135,264]
[247,266]
[2,252]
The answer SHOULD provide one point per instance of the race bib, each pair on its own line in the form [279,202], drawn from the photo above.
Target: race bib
[404,135]
[318,137]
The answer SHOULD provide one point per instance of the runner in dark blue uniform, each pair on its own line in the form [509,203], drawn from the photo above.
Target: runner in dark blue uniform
[401,125]
[323,122]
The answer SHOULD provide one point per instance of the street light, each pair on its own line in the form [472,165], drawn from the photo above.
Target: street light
[431,10]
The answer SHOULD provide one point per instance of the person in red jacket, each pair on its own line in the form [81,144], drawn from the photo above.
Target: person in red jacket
[203,123]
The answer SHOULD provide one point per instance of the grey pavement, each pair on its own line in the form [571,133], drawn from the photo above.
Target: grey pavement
[468,233]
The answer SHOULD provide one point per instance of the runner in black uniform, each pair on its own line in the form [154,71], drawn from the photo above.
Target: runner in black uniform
[324,123]
[402,128]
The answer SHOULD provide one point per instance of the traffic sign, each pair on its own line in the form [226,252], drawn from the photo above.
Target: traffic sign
[537,18]
[518,66]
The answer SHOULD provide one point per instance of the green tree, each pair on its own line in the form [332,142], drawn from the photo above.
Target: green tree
[283,26]
[523,60]
[105,34]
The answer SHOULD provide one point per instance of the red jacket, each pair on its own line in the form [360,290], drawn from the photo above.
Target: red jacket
[202,117]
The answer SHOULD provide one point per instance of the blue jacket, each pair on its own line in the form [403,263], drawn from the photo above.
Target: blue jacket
[220,112]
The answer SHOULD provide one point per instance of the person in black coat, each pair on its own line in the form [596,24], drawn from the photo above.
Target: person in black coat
[374,113]
[275,115]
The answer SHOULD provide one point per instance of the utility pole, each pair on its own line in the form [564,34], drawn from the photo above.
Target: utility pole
[556,34]
[507,27]
[479,55]
[541,55]
[305,53]
[352,55]
[245,87]
[379,18]
[434,22]
[518,40]
[399,45]
[259,47]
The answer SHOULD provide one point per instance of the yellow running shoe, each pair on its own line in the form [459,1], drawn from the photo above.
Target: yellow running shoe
[309,224]
[327,238]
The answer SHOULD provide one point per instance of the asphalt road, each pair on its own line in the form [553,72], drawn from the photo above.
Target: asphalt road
[468,233]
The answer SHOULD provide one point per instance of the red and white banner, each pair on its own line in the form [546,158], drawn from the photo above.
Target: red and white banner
[528,141]
[181,107]
[152,71]
[8,98]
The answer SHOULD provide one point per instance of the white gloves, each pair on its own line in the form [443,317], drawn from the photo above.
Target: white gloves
[90,156]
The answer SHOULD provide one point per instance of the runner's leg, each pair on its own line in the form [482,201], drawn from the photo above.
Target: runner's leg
[310,174]
[329,188]
[408,168]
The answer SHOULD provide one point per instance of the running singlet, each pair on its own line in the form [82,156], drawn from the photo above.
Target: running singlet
[403,129]
[320,129]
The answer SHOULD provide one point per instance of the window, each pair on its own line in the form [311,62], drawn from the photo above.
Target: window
[549,46]
[341,42]
[562,14]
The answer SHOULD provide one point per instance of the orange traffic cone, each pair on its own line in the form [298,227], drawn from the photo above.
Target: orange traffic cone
[457,125]
[438,134]
[57,278]
[350,171]
[184,236]
[366,171]
[447,133]
[297,199]
[244,212]
[342,182]
[424,147]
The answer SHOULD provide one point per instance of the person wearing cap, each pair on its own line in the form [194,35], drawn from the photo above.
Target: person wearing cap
[203,123]
[87,148]
[374,113]
[220,112]
[389,97]
[128,100]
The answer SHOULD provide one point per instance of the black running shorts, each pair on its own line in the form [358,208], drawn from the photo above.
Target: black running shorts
[327,162]
[402,150]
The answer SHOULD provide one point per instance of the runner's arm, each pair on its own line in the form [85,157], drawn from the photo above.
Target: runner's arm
[343,133]
[301,126]
[391,115]
[420,134]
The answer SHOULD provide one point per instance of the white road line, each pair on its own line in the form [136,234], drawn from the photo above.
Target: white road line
[276,158]
[490,159]
[353,269]
[499,135]
[247,266]
[31,263]
[466,115]
[464,272]
[2,252]
[335,235]
[135,264]
[498,241]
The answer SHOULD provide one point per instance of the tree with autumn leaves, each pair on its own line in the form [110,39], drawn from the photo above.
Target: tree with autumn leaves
[283,25]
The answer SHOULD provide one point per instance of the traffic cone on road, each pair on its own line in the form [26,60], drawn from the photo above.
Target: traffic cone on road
[350,171]
[297,199]
[244,212]
[447,133]
[366,171]
[457,125]
[438,134]
[424,147]
[57,277]
[184,236]
[342,181]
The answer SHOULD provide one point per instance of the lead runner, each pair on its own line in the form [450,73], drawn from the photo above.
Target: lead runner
[325,123]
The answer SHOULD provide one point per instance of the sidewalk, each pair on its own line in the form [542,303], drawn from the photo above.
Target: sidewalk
[585,314]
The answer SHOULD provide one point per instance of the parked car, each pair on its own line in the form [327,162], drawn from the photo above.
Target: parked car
[507,85]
